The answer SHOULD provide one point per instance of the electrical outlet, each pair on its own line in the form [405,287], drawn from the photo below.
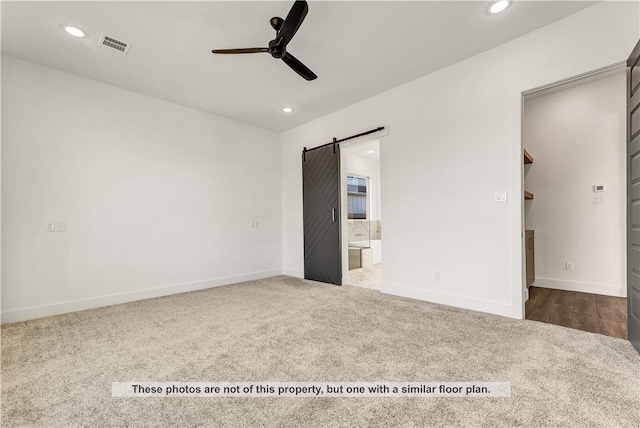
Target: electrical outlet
[568,266]
[436,275]
[599,200]
[51,226]
[501,196]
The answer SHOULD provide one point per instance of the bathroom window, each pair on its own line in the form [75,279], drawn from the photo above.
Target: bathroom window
[357,188]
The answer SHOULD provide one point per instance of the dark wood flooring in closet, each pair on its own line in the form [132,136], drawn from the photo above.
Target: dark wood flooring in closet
[583,311]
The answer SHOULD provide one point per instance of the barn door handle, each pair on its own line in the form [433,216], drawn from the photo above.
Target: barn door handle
[333,214]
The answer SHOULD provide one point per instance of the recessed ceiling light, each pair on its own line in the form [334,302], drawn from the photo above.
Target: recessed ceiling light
[287,109]
[370,151]
[75,32]
[499,6]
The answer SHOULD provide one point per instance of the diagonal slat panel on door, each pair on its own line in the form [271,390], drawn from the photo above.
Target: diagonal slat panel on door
[633,197]
[321,206]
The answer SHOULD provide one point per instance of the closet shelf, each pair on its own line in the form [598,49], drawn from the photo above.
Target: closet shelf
[527,159]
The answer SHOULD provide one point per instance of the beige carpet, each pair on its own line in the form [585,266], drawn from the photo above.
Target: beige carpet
[58,371]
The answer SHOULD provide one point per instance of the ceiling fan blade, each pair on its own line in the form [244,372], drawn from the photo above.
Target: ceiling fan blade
[298,67]
[240,51]
[293,21]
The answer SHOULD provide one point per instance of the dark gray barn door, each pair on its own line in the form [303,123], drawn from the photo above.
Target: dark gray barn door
[321,206]
[633,193]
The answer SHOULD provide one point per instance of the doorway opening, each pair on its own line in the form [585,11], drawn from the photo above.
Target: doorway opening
[362,222]
[574,169]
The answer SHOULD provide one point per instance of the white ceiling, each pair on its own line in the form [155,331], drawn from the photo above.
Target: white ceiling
[358,49]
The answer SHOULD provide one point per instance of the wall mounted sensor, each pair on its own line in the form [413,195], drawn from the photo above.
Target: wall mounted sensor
[597,188]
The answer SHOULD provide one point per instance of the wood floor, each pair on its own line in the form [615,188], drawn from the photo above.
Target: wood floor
[588,312]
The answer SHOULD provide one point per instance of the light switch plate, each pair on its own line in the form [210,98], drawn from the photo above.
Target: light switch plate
[501,196]
[599,200]
[61,226]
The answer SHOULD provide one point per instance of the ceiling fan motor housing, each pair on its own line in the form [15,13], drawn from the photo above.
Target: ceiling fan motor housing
[277,49]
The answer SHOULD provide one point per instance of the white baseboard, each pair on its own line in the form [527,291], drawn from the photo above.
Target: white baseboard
[293,272]
[583,287]
[489,306]
[114,299]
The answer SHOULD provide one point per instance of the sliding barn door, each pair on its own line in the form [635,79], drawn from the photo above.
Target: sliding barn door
[633,201]
[321,206]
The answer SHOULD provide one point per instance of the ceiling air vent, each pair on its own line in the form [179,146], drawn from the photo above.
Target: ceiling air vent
[114,45]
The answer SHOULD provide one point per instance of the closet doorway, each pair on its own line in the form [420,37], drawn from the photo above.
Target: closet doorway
[574,167]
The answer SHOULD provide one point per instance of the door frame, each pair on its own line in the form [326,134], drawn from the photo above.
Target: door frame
[577,79]
[343,194]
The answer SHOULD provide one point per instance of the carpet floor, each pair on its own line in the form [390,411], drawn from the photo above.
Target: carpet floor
[57,371]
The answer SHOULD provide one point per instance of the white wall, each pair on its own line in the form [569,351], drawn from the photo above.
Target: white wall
[158,198]
[454,140]
[577,137]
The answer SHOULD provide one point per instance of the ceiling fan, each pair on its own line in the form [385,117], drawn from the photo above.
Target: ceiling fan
[285,30]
